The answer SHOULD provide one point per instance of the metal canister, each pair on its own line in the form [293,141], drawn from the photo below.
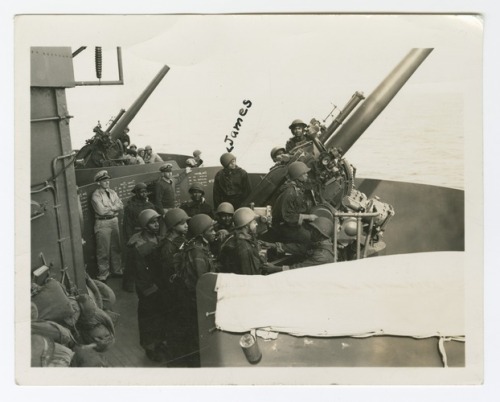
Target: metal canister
[251,349]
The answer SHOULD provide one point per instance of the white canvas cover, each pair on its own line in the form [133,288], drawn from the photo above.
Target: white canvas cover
[395,295]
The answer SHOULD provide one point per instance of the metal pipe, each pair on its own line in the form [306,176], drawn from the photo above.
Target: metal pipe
[377,101]
[120,64]
[78,51]
[97,83]
[356,214]
[56,207]
[54,118]
[368,238]
[358,237]
[335,239]
[136,106]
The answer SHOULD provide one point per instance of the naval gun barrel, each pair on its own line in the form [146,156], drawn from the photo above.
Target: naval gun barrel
[353,128]
[115,120]
[346,111]
[129,115]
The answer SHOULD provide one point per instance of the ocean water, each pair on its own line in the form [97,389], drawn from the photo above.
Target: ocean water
[416,140]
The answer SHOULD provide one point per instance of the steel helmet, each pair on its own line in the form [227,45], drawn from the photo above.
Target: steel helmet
[226,159]
[196,187]
[225,208]
[297,169]
[243,216]
[275,150]
[297,122]
[175,216]
[146,216]
[323,226]
[200,223]
[138,187]
[148,148]
[196,153]
[350,227]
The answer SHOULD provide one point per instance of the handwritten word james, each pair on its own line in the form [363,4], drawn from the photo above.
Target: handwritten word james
[236,128]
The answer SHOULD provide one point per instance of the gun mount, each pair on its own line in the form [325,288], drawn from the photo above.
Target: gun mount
[358,220]
[105,148]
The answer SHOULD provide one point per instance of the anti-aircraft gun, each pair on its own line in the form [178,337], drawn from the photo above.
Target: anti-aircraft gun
[106,147]
[359,221]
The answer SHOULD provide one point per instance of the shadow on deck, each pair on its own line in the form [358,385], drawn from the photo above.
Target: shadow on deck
[127,352]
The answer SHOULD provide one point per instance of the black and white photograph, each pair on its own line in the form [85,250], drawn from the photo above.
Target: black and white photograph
[249,199]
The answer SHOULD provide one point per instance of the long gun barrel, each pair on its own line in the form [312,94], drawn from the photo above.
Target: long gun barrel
[344,113]
[129,115]
[115,120]
[353,128]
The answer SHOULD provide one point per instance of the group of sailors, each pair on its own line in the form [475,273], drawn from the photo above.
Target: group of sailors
[140,156]
[170,248]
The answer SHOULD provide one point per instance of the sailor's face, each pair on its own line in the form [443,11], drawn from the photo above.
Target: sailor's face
[154,225]
[303,178]
[298,131]
[181,228]
[104,184]
[226,219]
[209,234]
[253,227]
[232,164]
[143,194]
[167,174]
[149,151]
[196,195]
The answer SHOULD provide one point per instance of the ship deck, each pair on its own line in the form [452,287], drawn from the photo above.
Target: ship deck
[126,352]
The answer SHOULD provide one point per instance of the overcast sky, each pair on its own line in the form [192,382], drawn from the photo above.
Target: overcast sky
[288,66]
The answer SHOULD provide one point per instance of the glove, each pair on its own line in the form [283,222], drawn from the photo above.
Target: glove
[222,234]
[271,269]
[307,217]
[266,244]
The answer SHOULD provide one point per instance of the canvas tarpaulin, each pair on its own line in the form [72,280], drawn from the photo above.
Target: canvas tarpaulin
[398,295]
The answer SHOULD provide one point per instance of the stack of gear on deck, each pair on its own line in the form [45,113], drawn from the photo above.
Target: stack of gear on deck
[71,330]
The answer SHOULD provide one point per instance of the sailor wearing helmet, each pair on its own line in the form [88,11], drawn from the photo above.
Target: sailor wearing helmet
[241,254]
[196,160]
[136,204]
[298,128]
[279,157]
[198,204]
[145,246]
[231,184]
[319,252]
[150,156]
[107,205]
[292,206]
